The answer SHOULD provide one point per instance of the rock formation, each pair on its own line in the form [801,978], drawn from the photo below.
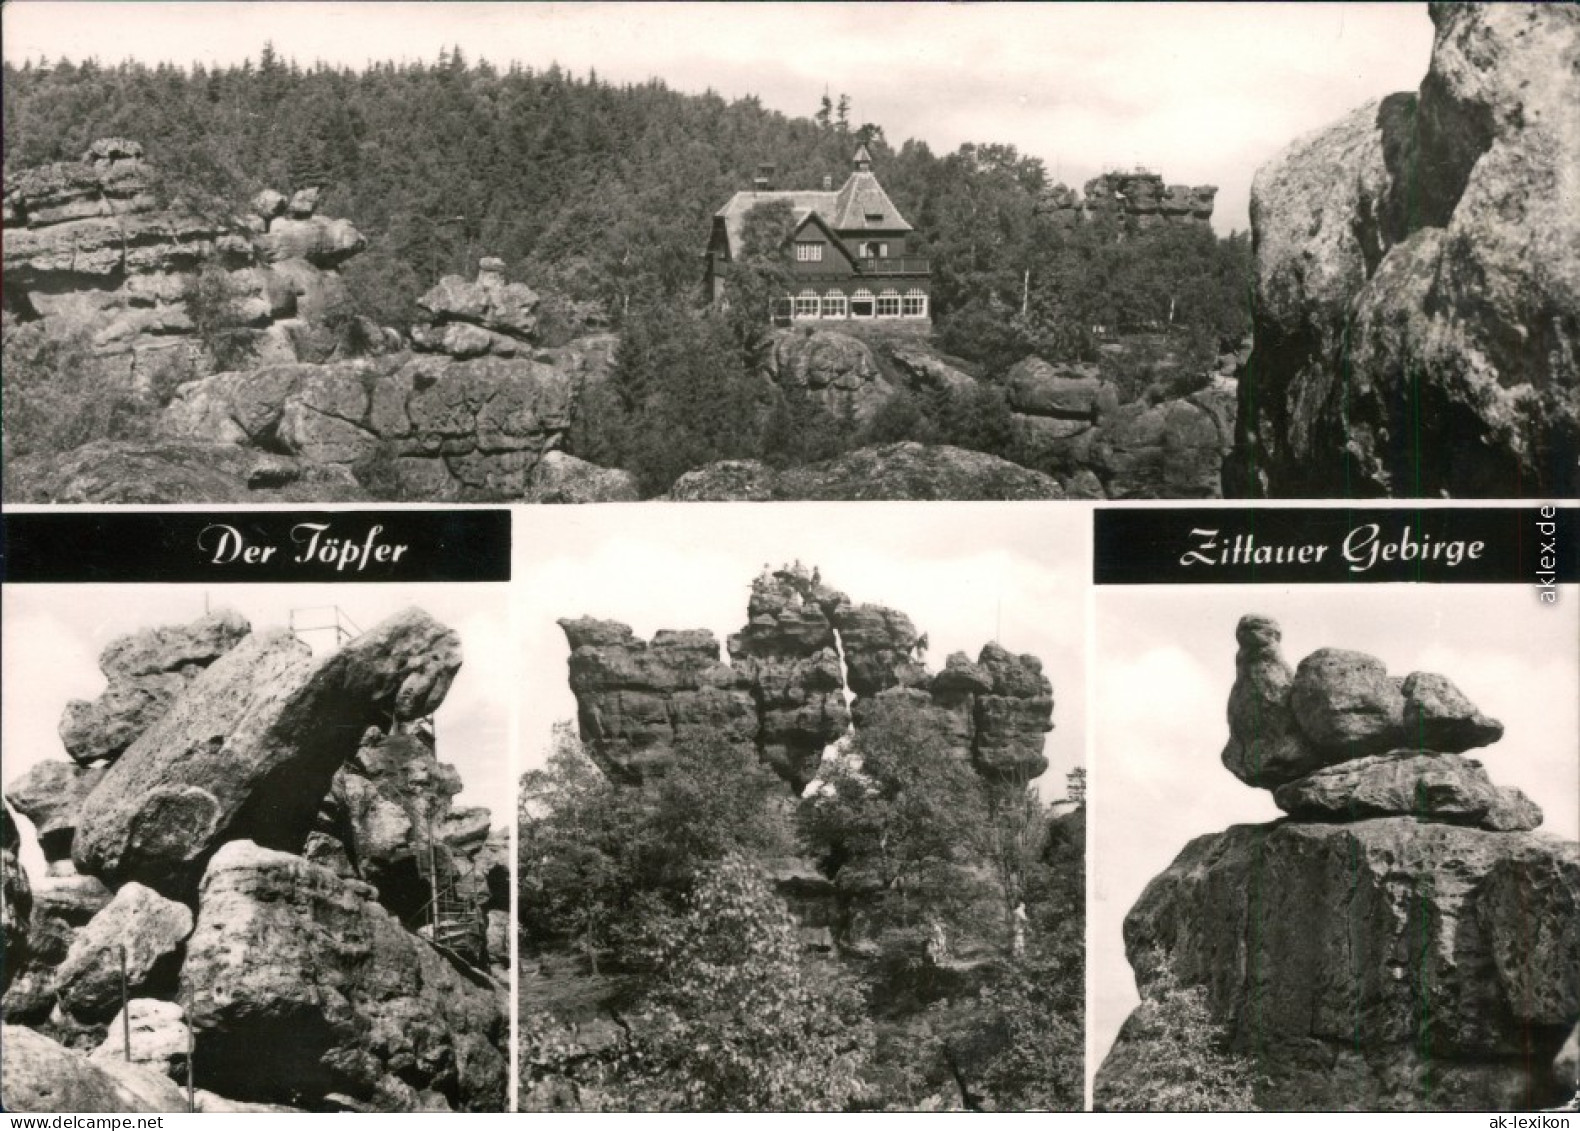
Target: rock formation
[893,471]
[254,840]
[40,1075]
[1137,198]
[300,981]
[1070,421]
[783,691]
[1404,940]
[1417,289]
[91,249]
[16,901]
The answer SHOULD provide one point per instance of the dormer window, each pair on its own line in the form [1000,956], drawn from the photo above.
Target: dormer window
[874,217]
[807,251]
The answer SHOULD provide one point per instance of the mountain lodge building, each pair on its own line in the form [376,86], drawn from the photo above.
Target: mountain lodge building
[852,260]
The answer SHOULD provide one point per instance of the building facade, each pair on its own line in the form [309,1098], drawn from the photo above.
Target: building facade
[851,255]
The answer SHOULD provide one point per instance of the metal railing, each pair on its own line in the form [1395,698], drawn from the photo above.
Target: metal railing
[330,618]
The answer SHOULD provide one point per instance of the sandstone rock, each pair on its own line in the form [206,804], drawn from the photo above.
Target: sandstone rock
[160,472]
[1379,964]
[786,654]
[879,645]
[1171,450]
[159,1038]
[1437,716]
[304,202]
[489,303]
[1512,811]
[1265,747]
[209,1102]
[50,795]
[145,672]
[923,369]
[559,478]
[837,370]
[1345,704]
[268,204]
[1421,784]
[302,985]
[1063,392]
[144,925]
[16,901]
[915,471]
[1387,248]
[1012,719]
[731,480]
[322,242]
[637,702]
[252,746]
[38,1075]
[1137,198]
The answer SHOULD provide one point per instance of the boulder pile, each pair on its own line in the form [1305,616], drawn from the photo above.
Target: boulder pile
[1403,940]
[247,837]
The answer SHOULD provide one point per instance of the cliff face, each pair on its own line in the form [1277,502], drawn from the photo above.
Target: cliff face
[783,691]
[89,249]
[1417,290]
[259,833]
[1403,941]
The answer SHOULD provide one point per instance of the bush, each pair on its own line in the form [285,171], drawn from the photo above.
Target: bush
[211,302]
[58,396]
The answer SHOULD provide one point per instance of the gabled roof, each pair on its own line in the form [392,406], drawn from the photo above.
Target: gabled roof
[802,204]
[817,221]
[844,211]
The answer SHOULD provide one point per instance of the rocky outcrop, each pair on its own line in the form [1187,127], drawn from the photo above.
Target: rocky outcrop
[1070,420]
[421,426]
[783,691]
[92,249]
[145,672]
[16,901]
[401,1005]
[484,316]
[836,370]
[159,1038]
[302,985]
[559,478]
[1138,199]
[37,1075]
[895,472]
[1417,291]
[1337,706]
[136,935]
[252,746]
[1403,941]
[175,471]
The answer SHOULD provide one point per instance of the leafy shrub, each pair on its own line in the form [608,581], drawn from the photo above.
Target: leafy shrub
[59,396]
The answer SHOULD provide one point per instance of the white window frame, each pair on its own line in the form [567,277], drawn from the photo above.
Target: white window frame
[808,305]
[914,303]
[866,296]
[808,251]
[835,305]
[888,303]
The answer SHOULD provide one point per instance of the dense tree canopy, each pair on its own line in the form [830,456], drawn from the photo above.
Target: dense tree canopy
[605,193]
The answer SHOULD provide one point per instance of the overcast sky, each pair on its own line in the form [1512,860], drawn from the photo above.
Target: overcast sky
[1202,93]
[1165,664]
[53,634]
[962,572]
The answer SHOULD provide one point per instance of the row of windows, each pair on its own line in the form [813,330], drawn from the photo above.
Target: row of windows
[862,304]
[808,251]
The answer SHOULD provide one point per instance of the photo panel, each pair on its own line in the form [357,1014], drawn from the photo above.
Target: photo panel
[803,822]
[258,836]
[1335,859]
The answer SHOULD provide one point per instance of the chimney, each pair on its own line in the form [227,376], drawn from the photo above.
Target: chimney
[764,181]
[828,183]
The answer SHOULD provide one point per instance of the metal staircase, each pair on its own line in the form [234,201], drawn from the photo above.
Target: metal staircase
[454,919]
